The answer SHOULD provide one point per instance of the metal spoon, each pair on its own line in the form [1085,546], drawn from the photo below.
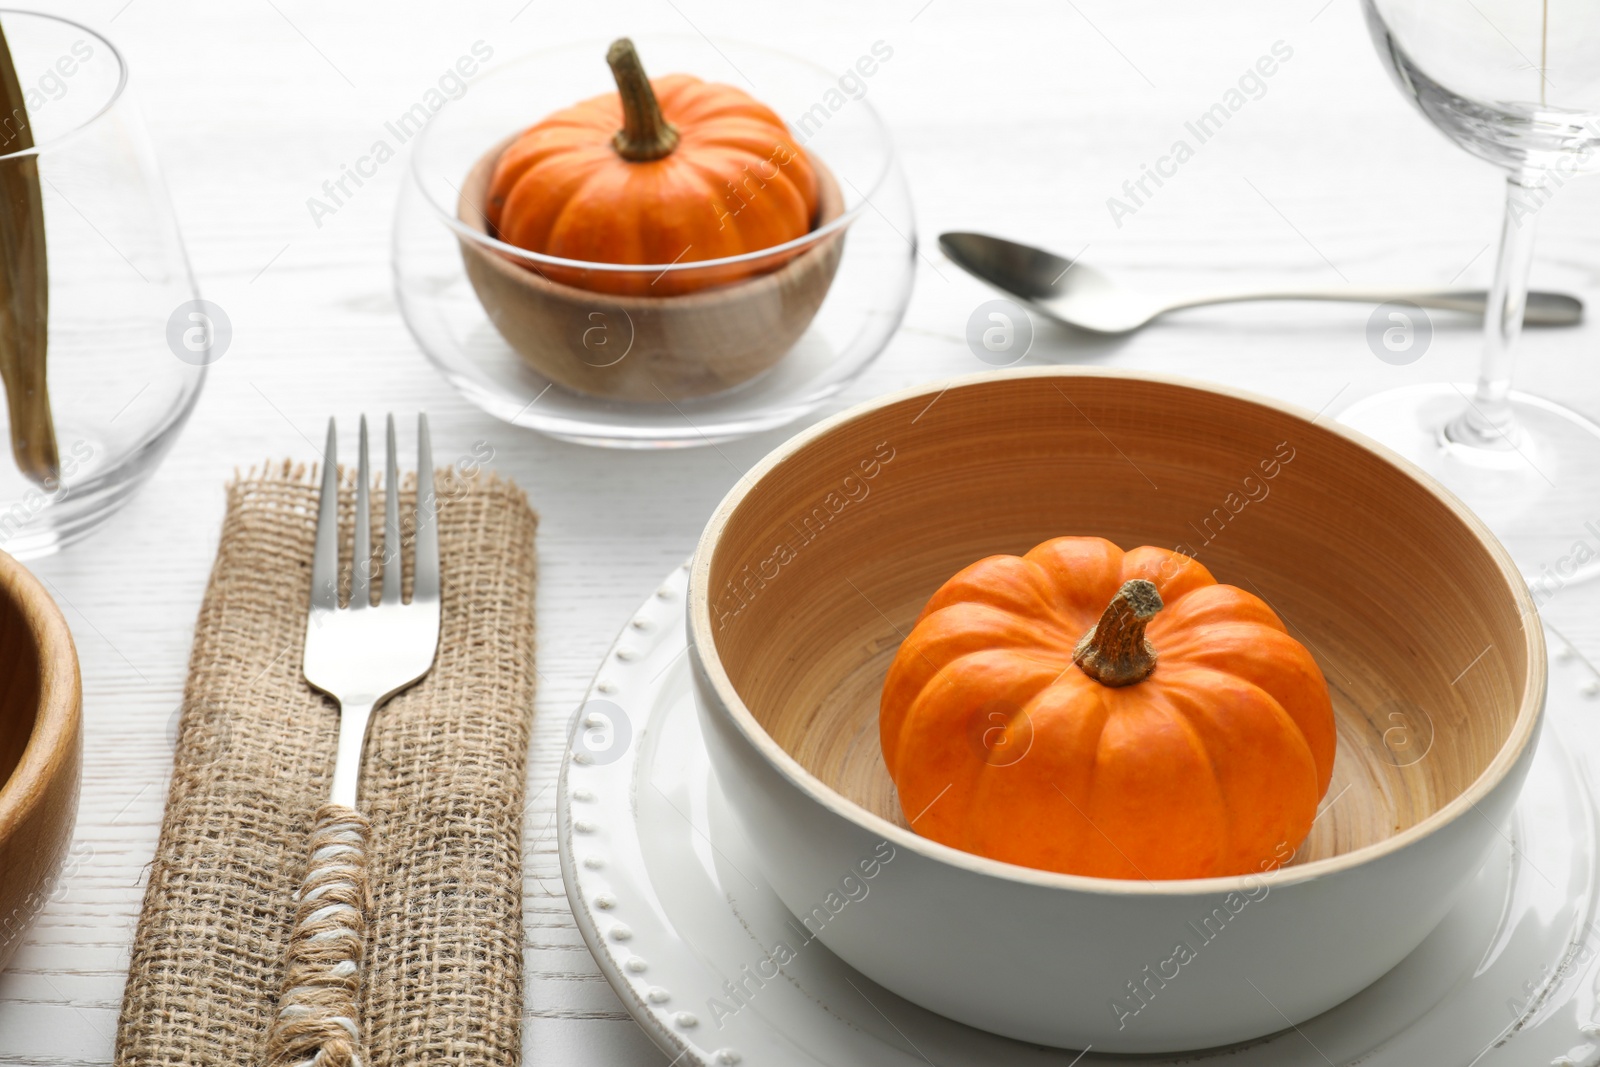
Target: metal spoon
[1078,295]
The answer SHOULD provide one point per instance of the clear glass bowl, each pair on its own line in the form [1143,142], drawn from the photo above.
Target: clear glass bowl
[120,291]
[438,232]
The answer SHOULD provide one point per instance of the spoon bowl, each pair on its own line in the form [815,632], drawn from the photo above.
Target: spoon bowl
[1063,289]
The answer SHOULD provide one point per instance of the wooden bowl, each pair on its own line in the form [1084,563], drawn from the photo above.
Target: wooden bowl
[649,348]
[41,702]
[815,566]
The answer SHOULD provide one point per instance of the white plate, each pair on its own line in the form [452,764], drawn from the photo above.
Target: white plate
[670,901]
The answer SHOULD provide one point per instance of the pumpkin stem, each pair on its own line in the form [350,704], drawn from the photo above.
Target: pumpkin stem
[645,134]
[1114,652]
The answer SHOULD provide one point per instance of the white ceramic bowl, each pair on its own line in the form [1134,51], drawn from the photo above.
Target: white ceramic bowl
[816,564]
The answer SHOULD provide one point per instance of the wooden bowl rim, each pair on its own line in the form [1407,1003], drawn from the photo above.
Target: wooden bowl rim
[704,654]
[57,720]
[472,228]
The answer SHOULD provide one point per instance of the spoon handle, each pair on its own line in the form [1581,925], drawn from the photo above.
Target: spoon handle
[1544,308]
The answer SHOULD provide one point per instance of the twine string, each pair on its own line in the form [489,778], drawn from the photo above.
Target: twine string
[316,1024]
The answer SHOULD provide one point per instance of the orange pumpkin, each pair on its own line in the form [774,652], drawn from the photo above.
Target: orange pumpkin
[672,171]
[1085,710]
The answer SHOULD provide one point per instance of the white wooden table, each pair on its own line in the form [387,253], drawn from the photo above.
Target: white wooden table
[1017,117]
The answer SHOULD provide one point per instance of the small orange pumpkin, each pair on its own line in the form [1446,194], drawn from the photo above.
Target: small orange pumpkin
[672,171]
[1122,715]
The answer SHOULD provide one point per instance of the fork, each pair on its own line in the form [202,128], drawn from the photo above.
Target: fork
[360,655]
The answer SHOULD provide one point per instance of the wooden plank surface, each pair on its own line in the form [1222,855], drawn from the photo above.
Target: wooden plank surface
[1017,117]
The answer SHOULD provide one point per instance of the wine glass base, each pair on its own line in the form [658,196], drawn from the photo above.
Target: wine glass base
[1540,495]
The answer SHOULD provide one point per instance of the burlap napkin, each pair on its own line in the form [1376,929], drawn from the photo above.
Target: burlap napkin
[442,782]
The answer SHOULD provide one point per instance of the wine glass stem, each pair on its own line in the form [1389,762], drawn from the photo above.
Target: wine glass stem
[1488,422]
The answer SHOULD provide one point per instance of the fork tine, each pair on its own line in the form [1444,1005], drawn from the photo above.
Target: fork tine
[325,559]
[391,522]
[425,580]
[361,573]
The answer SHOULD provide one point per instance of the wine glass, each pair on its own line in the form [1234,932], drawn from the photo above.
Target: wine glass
[1515,82]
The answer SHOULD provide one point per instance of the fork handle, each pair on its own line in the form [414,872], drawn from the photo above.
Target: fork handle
[317,1024]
